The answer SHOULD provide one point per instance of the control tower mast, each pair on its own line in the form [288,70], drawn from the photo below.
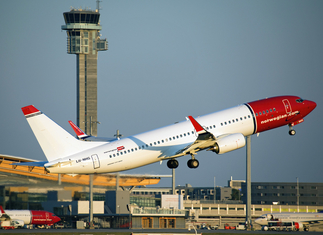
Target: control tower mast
[83,39]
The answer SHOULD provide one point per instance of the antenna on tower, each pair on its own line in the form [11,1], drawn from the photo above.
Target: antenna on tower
[98,5]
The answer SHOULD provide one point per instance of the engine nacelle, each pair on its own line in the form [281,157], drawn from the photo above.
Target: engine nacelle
[229,143]
[299,226]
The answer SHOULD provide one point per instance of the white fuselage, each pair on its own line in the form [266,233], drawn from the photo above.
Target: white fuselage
[153,146]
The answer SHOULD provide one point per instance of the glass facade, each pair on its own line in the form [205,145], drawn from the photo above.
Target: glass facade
[81,17]
[77,42]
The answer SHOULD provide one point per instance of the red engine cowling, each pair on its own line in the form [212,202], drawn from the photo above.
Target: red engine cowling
[229,143]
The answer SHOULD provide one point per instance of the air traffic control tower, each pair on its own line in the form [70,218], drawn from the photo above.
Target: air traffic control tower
[83,39]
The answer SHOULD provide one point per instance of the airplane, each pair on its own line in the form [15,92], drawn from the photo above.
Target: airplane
[219,132]
[35,217]
[301,219]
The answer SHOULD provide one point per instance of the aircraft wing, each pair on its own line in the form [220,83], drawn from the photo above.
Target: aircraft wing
[204,140]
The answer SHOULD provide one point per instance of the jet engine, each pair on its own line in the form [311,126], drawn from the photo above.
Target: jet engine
[229,143]
[299,226]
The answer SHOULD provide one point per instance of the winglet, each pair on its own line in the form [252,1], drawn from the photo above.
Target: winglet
[29,110]
[2,211]
[198,128]
[80,134]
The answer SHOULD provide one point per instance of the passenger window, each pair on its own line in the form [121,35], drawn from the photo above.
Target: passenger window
[225,123]
[110,156]
[213,126]
[184,134]
[263,112]
[256,114]
[131,150]
[260,113]
[267,111]
[121,153]
[136,149]
[229,122]
[221,124]
[162,141]
[245,117]
[143,146]
[181,136]
[114,155]
[248,116]
[170,139]
[128,151]
[173,137]
[151,144]
[193,132]
[154,143]
[237,119]
[241,118]
[232,120]
[188,133]
[271,110]
[274,109]
[158,142]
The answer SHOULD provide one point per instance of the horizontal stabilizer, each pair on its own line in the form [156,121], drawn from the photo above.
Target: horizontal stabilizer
[82,136]
[41,164]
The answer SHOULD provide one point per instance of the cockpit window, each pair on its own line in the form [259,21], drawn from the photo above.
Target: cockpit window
[300,100]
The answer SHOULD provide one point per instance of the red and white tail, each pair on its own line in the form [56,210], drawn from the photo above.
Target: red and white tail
[53,139]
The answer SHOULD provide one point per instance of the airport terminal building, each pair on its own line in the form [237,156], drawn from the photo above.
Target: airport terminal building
[133,204]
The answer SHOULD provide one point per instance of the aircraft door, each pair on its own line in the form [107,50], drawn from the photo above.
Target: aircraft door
[96,161]
[287,106]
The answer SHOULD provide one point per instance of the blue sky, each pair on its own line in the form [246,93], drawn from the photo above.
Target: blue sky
[167,60]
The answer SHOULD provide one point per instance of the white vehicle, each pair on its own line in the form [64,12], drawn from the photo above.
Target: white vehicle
[219,132]
[241,226]
[299,220]
[12,224]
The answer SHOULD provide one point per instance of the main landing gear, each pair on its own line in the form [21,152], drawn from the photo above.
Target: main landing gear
[291,130]
[172,163]
[193,163]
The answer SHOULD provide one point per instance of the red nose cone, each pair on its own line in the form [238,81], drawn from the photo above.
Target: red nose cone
[56,219]
[311,105]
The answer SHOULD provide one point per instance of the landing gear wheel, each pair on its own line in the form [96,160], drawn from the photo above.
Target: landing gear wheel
[292,132]
[193,163]
[172,163]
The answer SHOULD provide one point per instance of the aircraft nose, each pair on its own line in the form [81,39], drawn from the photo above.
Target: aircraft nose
[311,105]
